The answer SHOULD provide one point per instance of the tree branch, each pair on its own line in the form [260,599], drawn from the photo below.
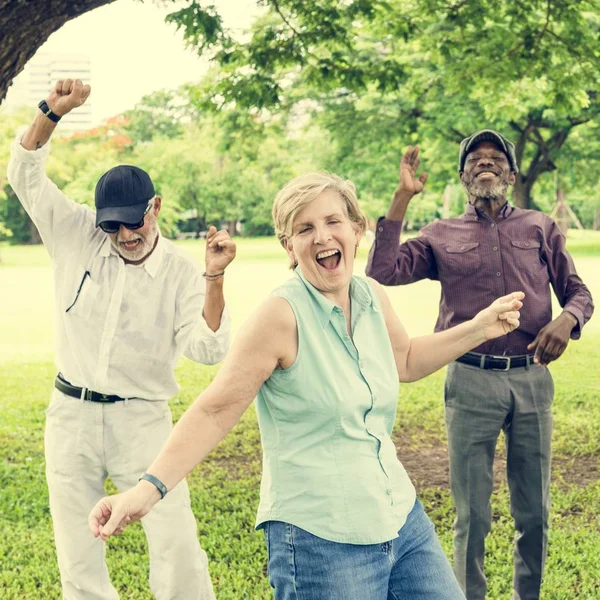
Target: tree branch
[283,18]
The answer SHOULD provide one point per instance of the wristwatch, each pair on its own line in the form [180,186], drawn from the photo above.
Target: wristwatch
[43,106]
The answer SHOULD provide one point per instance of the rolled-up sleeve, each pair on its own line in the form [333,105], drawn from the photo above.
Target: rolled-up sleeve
[57,218]
[193,336]
[392,263]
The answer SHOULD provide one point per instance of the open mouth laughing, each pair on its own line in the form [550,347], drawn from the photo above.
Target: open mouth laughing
[329,259]
[131,245]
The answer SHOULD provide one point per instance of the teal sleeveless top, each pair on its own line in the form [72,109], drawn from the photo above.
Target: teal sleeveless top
[329,463]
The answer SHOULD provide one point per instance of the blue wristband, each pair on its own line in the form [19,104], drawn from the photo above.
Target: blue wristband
[160,486]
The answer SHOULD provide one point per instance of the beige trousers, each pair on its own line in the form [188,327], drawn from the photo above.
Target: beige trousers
[85,442]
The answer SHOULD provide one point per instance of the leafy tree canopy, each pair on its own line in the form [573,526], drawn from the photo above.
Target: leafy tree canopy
[438,69]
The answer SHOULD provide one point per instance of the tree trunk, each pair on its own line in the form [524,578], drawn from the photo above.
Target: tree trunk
[522,192]
[596,225]
[231,227]
[562,216]
[25,26]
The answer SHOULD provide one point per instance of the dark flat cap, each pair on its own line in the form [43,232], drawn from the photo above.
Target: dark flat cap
[487,135]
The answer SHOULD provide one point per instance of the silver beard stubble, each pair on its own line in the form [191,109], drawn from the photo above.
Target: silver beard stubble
[484,192]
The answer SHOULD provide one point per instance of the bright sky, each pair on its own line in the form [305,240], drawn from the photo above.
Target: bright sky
[134,52]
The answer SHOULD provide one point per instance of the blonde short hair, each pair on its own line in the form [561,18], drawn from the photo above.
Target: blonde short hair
[302,190]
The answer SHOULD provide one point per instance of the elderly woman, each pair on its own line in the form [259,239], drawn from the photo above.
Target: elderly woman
[324,355]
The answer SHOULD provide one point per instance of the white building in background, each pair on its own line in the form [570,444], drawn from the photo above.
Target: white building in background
[37,78]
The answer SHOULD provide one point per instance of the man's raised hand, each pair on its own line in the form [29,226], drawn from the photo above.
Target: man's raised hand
[220,250]
[409,184]
[66,95]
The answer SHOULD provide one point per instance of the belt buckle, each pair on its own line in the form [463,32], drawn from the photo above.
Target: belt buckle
[506,358]
[88,395]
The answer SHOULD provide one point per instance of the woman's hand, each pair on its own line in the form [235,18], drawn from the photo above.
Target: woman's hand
[113,513]
[500,317]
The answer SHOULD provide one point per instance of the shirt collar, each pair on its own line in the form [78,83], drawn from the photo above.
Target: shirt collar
[472,213]
[151,264]
[359,293]
[107,248]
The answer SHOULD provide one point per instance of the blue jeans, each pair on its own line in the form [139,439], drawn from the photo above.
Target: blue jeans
[412,566]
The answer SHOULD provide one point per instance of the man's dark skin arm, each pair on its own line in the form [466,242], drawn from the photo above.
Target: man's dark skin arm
[412,260]
[409,184]
[552,339]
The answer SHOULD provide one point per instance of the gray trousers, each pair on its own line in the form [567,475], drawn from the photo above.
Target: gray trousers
[479,403]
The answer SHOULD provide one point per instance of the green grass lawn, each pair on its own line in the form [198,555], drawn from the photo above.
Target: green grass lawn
[225,488]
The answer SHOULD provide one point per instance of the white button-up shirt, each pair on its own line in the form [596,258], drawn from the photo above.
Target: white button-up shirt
[128,324]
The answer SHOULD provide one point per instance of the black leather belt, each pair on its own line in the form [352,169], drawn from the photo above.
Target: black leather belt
[496,363]
[62,385]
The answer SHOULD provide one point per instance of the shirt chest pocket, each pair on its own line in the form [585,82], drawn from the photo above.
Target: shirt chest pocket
[526,254]
[80,301]
[463,258]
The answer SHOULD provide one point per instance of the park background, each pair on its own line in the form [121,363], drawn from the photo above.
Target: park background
[341,86]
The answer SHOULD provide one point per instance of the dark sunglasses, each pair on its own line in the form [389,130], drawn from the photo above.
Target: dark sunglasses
[114,226]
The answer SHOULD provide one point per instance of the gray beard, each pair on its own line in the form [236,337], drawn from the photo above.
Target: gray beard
[143,249]
[483,192]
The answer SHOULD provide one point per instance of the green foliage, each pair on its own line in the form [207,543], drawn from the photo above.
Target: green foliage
[424,71]
[161,114]
[15,218]
[12,216]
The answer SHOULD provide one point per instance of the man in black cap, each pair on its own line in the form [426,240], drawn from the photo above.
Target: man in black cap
[129,303]
[491,249]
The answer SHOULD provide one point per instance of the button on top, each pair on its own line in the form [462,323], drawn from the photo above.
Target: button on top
[493,225]
[380,228]
[495,248]
[498,274]
[462,247]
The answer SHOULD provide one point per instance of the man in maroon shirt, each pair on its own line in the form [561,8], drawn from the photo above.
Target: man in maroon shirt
[489,251]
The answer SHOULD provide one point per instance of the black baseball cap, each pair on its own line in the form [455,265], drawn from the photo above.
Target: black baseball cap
[122,194]
[487,135]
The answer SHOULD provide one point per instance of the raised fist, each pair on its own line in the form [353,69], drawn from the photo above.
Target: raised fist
[67,95]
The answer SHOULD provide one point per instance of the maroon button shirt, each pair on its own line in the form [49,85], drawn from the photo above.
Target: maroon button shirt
[477,260]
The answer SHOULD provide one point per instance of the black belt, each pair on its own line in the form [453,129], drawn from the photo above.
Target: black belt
[62,385]
[496,363]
